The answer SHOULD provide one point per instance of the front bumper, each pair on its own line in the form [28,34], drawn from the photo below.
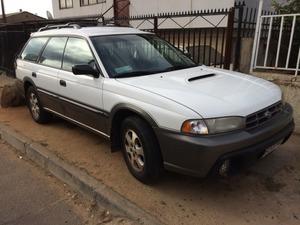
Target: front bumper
[198,155]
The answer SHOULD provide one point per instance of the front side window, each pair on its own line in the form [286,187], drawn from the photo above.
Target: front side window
[65,4]
[90,2]
[33,49]
[138,55]
[77,52]
[53,52]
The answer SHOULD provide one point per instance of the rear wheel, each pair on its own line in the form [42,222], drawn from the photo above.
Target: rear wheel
[141,150]
[37,112]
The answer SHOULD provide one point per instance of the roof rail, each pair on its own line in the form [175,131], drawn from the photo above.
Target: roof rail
[52,27]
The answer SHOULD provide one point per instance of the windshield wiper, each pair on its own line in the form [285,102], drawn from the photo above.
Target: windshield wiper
[135,73]
[179,67]
[148,72]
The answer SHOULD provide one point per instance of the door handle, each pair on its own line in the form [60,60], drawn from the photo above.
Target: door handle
[33,74]
[63,83]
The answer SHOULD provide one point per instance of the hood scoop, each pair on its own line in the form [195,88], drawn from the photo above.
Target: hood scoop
[201,77]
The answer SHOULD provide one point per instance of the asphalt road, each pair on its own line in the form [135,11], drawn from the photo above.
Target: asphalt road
[29,196]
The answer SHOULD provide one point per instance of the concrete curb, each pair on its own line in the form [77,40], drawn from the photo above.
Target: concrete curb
[76,178]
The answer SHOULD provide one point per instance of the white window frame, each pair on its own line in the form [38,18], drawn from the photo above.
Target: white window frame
[66,6]
[89,2]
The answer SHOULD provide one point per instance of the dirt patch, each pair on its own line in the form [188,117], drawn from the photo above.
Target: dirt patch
[4,80]
[243,199]
[271,185]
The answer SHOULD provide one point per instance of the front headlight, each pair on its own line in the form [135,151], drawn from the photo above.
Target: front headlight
[213,126]
[194,127]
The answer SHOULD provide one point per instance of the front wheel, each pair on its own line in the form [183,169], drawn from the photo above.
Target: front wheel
[141,150]
[38,114]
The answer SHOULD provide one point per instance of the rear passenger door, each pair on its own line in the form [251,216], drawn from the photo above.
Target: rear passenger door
[50,63]
[81,95]
[27,62]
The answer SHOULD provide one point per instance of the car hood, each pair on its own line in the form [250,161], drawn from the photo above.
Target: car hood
[210,92]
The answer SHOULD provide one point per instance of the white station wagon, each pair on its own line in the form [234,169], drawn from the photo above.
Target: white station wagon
[162,109]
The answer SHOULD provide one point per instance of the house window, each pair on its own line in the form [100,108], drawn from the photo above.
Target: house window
[65,4]
[91,2]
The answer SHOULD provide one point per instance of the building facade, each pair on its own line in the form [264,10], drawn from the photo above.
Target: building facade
[79,8]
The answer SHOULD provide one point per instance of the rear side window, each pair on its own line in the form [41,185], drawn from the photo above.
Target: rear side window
[33,49]
[53,52]
[77,52]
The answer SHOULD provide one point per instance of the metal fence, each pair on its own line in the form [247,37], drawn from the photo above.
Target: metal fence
[244,26]
[278,43]
[205,35]
[14,36]
[209,43]
[211,37]
[247,18]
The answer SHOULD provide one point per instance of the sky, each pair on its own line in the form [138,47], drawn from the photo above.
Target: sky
[34,6]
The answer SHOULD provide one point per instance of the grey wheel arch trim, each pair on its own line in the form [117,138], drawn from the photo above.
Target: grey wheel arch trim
[125,106]
[115,137]
[28,80]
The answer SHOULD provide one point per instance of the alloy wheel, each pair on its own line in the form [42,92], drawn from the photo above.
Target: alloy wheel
[34,106]
[134,150]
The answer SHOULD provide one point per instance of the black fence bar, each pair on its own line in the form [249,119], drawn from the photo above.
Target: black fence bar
[217,45]
[14,36]
[236,64]
[209,50]
[204,46]
[194,44]
[223,46]
[199,44]
[229,36]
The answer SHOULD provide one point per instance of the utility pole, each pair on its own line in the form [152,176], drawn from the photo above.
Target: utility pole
[3,11]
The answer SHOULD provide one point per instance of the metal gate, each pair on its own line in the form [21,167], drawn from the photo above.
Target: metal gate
[277,43]
[205,35]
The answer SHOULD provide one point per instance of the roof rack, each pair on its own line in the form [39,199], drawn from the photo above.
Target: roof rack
[52,27]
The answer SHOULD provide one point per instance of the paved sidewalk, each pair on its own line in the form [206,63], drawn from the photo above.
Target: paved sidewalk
[29,196]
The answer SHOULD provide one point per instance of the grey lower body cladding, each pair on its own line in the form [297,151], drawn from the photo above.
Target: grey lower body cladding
[199,155]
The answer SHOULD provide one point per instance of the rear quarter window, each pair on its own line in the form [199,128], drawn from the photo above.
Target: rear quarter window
[33,49]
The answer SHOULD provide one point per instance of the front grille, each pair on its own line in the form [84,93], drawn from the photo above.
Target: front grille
[260,117]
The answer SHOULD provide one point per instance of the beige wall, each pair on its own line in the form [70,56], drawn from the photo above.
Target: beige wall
[78,11]
[291,90]
[140,7]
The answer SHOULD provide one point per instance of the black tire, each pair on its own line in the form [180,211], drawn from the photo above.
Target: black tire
[39,115]
[153,166]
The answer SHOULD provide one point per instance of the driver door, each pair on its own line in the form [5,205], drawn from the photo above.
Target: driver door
[81,95]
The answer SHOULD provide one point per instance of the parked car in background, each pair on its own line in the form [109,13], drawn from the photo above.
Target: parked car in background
[162,109]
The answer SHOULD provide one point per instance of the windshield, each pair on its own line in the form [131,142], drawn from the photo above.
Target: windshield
[137,55]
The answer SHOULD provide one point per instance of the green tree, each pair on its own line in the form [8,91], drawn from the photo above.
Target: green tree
[287,7]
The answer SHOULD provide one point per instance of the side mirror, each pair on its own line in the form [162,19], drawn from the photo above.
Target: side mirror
[85,69]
